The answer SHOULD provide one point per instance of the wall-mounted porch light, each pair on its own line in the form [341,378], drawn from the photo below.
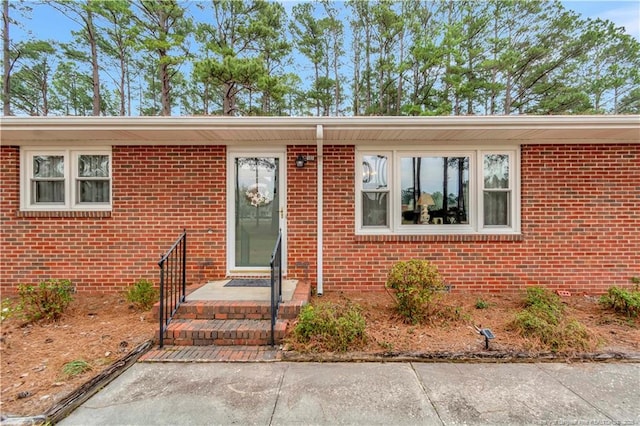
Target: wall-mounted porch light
[301,160]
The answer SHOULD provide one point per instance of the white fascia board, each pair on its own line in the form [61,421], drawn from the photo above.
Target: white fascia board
[132,130]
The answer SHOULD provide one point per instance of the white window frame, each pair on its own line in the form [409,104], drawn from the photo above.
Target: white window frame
[476,187]
[514,189]
[71,202]
[387,190]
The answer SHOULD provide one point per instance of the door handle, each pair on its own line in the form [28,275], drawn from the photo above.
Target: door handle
[281,212]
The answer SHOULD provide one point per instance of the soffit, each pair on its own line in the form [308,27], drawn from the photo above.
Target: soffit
[382,131]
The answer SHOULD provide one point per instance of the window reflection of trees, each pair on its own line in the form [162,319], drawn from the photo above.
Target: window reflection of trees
[452,209]
[258,167]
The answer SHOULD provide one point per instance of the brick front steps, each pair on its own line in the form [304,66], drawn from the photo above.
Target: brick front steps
[232,332]
[222,310]
[232,323]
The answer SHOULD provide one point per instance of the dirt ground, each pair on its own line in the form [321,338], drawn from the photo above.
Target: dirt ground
[100,329]
[454,329]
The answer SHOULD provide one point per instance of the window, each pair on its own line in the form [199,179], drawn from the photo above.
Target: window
[437,192]
[496,190]
[375,191]
[424,183]
[70,179]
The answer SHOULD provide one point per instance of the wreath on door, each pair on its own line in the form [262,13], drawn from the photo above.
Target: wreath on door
[258,195]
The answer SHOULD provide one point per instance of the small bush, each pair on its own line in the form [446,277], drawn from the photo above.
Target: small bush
[76,367]
[623,301]
[142,294]
[46,301]
[481,304]
[414,283]
[330,327]
[543,318]
[544,303]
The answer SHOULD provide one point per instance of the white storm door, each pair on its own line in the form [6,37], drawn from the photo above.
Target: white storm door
[256,210]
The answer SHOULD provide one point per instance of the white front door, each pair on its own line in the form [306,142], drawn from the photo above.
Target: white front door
[256,204]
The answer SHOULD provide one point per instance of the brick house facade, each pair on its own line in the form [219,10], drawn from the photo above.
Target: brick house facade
[573,218]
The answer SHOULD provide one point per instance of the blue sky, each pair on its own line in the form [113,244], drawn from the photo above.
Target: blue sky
[622,13]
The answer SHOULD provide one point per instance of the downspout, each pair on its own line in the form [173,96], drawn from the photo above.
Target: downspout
[319,140]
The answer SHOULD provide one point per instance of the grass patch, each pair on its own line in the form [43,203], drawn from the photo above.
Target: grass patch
[76,367]
[481,303]
[329,327]
[544,320]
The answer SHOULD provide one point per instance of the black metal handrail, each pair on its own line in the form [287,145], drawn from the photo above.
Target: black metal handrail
[276,284]
[173,282]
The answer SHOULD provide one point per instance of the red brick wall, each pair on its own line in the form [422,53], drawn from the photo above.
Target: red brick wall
[580,224]
[580,228]
[302,216]
[157,191]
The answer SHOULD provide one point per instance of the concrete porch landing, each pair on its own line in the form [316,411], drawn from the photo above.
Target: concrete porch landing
[216,290]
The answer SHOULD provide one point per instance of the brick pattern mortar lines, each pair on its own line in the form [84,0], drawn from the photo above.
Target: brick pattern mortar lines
[157,191]
[580,222]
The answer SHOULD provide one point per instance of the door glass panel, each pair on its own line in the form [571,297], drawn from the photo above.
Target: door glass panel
[257,208]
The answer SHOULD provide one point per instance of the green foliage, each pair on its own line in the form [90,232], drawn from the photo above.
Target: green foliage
[481,303]
[544,319]
[544,303]
[76,367]
[47,301]
[331,327]
[623,301]
[8,309]
[142,294]
[413,284]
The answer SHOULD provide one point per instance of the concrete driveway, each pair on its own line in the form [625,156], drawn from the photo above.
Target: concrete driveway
[284,393]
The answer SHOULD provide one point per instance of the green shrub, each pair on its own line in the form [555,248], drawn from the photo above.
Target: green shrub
[544,303]
[626,302]
[414,283]
[46,301]
[543,318]
[330,327]
[481,304]
[142,294]
[76,367]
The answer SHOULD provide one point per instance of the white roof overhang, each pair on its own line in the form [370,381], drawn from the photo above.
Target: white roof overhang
[371,131]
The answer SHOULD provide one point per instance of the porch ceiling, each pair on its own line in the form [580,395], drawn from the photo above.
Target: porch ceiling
[246,131]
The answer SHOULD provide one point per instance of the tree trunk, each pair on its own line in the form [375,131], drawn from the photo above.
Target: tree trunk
[228,99]
[401,74]
[166,88]
[507,95]
[6,87]
[45,89]
[123,110]
[94,62]
[356,75]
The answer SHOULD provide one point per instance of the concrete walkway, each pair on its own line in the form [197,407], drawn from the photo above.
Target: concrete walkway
[285,393]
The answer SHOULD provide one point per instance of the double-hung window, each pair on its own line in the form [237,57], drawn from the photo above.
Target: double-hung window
[437,191]
[65,179]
